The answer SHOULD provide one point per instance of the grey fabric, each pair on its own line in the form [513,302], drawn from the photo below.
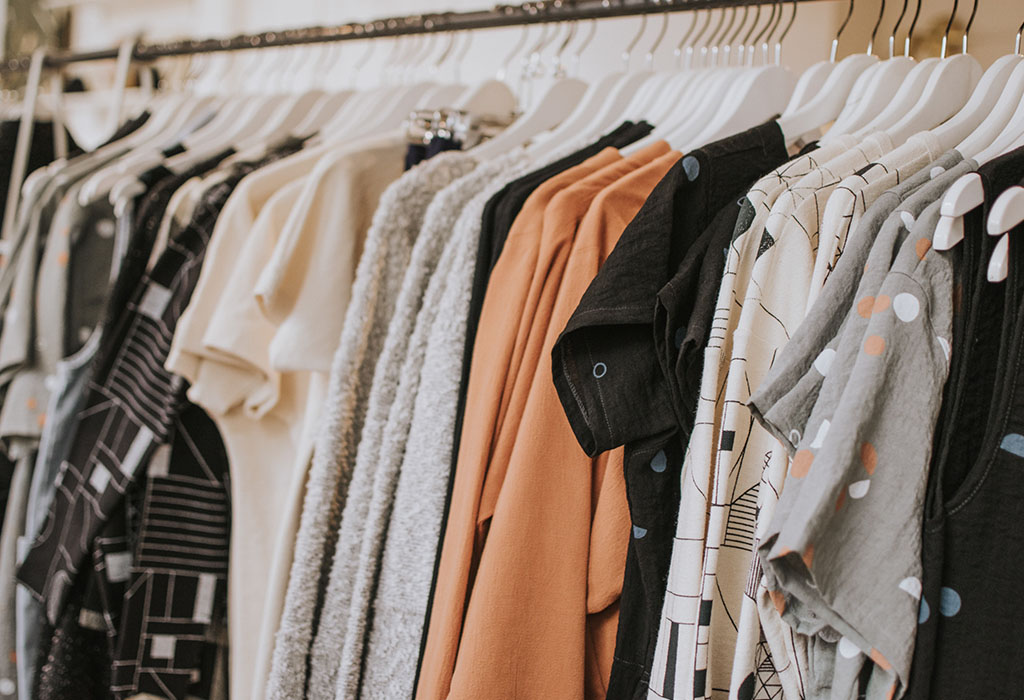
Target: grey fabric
[853,471]
[414,318]
[68,395]
[30,348]
[783,401]
[345,607]
[415,314]
[13,525]
[385,256]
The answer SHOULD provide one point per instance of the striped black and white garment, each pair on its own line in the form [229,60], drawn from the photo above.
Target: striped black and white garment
[136,540]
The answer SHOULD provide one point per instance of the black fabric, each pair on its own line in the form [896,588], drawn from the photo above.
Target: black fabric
[968,640]
[419,152]
[155,587]
[146,216]
[493,233]
[40,153]
[127,128]
[622,375]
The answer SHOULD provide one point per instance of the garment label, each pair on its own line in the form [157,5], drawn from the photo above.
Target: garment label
[154,301]
[136,451]
[203,611]
[162,646]
[119,566]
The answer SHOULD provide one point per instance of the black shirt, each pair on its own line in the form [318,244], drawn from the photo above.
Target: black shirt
[627,366]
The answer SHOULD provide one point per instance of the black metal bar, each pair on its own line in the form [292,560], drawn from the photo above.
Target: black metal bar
[501,16]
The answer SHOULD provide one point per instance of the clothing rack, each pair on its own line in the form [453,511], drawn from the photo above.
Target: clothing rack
[501,16]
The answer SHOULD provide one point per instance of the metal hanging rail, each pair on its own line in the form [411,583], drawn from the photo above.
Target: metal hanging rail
[501,16]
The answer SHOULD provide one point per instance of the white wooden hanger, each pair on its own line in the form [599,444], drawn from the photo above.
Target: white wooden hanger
[760,94]
[967,193]
[888,78]
[596,96]
[651,101]
[999,117]
[659,99]
[1007,214]
[703,96]
[553,107]
[985,98]
[949,88]
[829,102]
[624,98]
[809,84]
[905,97]
[1012,134]
[494,97]
[687,86]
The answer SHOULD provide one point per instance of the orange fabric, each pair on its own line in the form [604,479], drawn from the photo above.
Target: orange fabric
[562,219]
[502,309]
[542,616]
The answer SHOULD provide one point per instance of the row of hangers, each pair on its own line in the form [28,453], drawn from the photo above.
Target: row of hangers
[727,84]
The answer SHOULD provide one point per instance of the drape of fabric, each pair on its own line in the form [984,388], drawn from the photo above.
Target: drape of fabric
[389,243]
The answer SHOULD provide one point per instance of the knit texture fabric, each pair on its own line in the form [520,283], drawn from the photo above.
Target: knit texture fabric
[396,225]
[427,403]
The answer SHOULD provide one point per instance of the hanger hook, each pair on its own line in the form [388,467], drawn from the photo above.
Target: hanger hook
[1016,46]
[627,53]
[767,40]
[910,31]
[719,40]
[967,29]
[842,28]
[949,25]
[761,34]
[739,30]
[746,40]
[577,57]
[697,37]
[874,32]
[686,37]
[460,60]
[705,49]
[446,52]
[557,68]
[520,43]
[896,28]
[649,58]
[785,33]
